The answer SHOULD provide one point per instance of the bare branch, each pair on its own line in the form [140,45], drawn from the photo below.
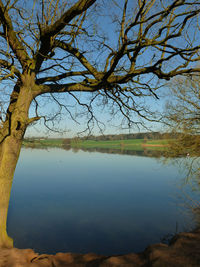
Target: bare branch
[71,13]
[13,70]
[12,39]
[79,56]
[47,33]
[62,76]
[61,88]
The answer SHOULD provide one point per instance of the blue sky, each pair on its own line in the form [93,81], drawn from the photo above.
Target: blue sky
[65,122]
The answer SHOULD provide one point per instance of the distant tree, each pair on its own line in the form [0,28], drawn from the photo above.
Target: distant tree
[145,139]
[76,142]
[67,142]
[50,47]
[183,119]
[183,115]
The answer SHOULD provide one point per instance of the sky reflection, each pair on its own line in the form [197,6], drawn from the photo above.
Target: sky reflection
[93,202]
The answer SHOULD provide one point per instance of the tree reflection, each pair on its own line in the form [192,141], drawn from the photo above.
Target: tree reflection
[189,167]
[142,152]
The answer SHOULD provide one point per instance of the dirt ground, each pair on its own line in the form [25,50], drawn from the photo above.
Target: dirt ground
[183,251]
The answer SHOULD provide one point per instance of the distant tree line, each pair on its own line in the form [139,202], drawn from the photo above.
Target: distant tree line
[112,137]
[75,141]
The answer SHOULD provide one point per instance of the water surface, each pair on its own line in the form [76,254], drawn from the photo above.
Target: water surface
[93,202]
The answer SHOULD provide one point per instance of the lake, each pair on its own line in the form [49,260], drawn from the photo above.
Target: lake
[82,202]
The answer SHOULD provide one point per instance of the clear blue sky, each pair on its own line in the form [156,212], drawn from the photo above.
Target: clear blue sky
[65,122]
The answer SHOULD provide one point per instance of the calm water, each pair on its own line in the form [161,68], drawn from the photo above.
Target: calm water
[93,202]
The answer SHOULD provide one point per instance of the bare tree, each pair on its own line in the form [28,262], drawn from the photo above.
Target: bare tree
[183,119]
[51,46]
[183,116]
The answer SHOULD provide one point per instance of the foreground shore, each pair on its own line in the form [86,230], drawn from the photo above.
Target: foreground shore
[183,251]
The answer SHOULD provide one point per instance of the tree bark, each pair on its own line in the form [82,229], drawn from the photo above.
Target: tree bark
[17,122]
[10,150]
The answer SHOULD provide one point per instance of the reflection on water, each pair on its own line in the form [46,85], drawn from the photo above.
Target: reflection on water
[189,169]
[94,202]
[144,152]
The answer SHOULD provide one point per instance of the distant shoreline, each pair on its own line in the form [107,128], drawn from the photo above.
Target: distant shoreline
[125,144]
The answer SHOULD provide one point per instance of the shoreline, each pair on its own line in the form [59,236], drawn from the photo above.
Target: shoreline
[131,144]
[182,251]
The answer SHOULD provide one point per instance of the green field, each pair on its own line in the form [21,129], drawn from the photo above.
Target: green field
[130,144]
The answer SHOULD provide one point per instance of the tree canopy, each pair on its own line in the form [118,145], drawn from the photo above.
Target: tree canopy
[115,50]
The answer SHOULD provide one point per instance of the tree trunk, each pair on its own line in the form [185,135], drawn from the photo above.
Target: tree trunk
[16,123]
[10,150]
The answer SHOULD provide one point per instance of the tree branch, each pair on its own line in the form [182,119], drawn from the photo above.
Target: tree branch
[79,56]
[61,76]
[48,32]
[16,46]
[69,87]
[13,70]
[71,13]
